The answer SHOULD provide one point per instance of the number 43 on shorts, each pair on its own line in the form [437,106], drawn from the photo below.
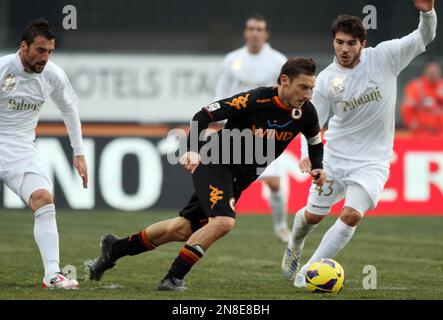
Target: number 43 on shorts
[326,189]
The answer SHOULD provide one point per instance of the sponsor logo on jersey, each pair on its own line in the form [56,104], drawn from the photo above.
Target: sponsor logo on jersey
[337,86]
[213,106]
[263,100]
[272,134]
[239,102]
[274,124]
[215,196]
[354,103]
[9,83]
[22,106]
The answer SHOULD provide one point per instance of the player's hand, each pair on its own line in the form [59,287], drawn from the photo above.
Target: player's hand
[305,165]
[190,161]
[82,169]
[424,5]
[319,176]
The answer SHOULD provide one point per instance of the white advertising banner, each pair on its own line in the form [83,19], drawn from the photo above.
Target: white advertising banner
[138,88]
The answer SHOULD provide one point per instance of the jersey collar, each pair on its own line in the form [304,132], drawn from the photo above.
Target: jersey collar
[278,103]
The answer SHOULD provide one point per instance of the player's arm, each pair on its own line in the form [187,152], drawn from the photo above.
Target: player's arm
[66,101]
[428,20]
[223,109]
[312,133]
[322,106]
[398,53]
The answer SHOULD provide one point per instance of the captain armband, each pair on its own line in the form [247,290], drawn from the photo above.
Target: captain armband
[315,140]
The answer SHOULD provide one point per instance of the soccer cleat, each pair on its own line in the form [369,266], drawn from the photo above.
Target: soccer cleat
[103,262]
[300,280]
[172,284]
[282,233]
[59,280]
[289,263]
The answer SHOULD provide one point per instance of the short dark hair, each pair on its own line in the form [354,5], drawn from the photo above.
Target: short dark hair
[38,27]
[257,16]
[351,25]
[295,66]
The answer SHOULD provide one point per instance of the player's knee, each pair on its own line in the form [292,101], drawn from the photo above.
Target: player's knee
[313,218]
[273,183]
[350,216]
[224,224]
[180,230]
[40,198]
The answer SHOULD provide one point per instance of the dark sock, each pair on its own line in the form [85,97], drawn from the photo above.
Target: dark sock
[132,245]
[187,257]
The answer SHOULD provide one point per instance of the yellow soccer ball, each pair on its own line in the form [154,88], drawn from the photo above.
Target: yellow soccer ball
[325,276]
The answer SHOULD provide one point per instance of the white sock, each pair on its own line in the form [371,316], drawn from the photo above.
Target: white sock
[46,237]
[334,240]
[300,230]
[278,207]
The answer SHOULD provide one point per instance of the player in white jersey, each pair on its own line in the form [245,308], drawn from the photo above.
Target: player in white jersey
[360,87]
[27,78]
[257,65]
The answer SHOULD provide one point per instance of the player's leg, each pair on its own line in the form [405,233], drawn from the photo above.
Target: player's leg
[320,200]
[148,239]
[304,223]
[214,189]
[364,184]
[194,249]
[340,233]
[277,202]
[36,190]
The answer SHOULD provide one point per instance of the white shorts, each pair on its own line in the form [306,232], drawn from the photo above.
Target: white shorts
[22,172]
[273,170]
[359,182]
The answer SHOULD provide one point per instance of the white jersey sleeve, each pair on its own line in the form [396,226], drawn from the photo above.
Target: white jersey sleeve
[398,53]
[66,101]
[323,105]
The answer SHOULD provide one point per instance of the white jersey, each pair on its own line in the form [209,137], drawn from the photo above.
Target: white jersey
[363,98]
[244,71]
[23,94]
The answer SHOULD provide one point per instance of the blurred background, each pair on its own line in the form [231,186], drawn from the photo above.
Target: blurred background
[141,68]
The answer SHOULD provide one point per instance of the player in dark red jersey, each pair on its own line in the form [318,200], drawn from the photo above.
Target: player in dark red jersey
[260,122]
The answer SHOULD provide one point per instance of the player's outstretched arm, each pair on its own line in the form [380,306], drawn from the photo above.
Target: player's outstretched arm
[396,54]
[428,20]
[82,169]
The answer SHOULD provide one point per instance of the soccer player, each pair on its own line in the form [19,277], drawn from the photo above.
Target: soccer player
[422,106]
[27,78]
[274,116]
[254,65]
[360,87]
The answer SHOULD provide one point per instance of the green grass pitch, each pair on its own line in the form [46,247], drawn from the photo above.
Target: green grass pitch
[406,251]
